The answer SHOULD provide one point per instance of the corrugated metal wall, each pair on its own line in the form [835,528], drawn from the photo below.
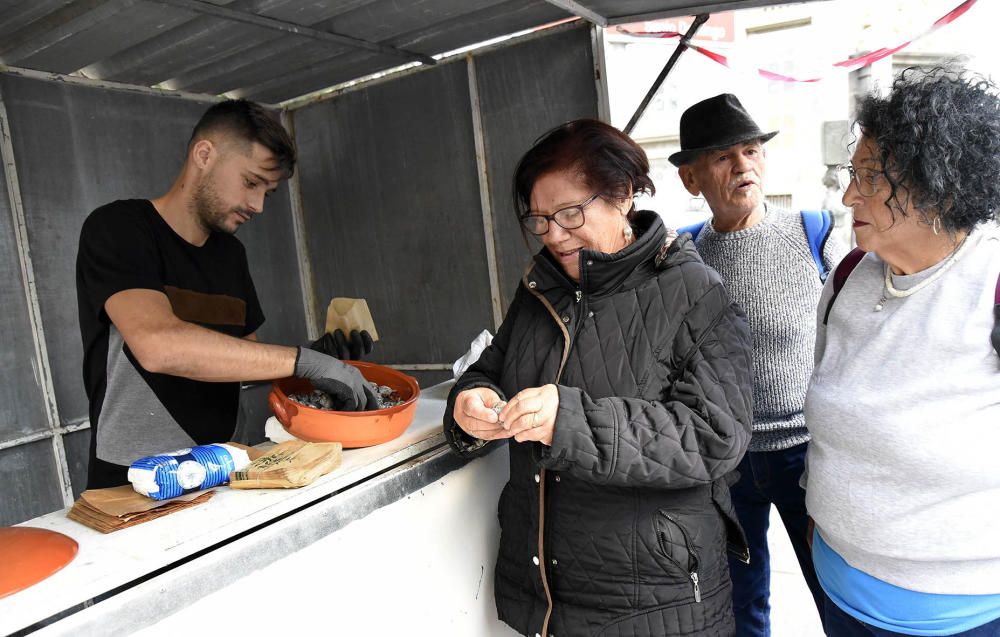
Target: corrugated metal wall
[76,148]
[391,204]
[522,102]
[391,194]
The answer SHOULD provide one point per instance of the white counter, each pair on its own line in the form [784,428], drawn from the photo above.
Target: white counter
[133,578]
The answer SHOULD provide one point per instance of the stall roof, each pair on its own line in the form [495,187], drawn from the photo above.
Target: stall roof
[276,50]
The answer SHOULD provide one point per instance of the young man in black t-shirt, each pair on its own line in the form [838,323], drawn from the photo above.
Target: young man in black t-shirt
[168,311]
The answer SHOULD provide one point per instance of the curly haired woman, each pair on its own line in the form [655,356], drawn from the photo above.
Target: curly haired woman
[904,402]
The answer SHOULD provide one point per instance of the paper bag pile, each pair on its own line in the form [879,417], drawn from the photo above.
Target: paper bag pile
[108,510]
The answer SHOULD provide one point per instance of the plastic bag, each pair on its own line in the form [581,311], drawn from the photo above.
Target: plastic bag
[476,348]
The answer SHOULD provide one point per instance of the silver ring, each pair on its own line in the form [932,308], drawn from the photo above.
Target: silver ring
[497,408]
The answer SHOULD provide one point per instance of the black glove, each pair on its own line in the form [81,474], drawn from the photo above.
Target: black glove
[338,346]
[344,383]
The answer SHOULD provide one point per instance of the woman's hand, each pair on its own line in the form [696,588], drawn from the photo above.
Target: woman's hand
[476,413]
[531,414]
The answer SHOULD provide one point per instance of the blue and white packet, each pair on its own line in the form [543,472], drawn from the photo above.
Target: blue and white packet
[168,475]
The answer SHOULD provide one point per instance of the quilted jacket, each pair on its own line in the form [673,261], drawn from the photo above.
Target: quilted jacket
[621,526]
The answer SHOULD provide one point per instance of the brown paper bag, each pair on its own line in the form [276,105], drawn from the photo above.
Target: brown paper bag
[123,500]
[295,463]
[350,314]
[108,510]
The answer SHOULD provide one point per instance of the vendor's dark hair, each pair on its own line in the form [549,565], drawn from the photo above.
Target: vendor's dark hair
[938,139]
[249,122]
[607,159]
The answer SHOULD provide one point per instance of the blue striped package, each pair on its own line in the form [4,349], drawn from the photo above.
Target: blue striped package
[168,475]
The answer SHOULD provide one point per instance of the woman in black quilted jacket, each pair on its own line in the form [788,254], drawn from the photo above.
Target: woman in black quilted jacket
[621,379]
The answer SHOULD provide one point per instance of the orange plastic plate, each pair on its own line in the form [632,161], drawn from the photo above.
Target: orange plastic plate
[29,555]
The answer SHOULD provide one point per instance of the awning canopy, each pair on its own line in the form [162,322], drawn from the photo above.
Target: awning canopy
[276,50]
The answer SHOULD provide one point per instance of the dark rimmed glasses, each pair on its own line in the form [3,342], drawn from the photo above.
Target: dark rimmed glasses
[865,179]
[569,218]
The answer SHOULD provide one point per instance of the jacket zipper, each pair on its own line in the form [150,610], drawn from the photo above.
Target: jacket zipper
[744,556]
[541,473]
[581,315]
[692,567]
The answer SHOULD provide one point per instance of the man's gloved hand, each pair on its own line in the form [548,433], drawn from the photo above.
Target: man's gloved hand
[344,383]
[338,345]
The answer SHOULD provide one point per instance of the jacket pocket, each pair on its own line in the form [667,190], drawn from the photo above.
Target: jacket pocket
[712,617]
[676,546]
[736,539]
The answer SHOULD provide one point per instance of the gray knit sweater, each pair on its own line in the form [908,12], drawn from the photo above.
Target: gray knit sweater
[769,271]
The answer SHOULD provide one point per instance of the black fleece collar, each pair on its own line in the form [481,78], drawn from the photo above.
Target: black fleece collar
[602,273]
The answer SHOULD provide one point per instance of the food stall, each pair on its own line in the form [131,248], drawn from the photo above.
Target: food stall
[407,123]
[402,521]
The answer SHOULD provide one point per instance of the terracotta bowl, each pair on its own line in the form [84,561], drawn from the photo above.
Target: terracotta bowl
[350,428]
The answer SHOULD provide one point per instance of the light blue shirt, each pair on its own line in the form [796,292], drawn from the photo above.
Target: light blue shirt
[890,607]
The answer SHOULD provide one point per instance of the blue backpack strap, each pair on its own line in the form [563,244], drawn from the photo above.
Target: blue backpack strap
[844,269]
[818,225]
[694,229]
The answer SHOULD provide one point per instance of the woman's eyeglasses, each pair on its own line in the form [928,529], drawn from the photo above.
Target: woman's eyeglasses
[865,179]
[569,218]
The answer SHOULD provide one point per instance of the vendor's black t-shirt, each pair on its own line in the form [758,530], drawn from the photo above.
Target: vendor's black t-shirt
[133,413]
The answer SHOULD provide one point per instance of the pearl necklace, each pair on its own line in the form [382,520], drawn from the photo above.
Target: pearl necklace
[891,291]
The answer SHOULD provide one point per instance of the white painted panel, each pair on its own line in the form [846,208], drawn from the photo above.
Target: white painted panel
[422,565]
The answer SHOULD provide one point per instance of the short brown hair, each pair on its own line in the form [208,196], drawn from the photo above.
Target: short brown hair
[249,122]
[609,161]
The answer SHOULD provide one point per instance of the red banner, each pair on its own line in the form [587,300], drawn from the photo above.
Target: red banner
[852,63]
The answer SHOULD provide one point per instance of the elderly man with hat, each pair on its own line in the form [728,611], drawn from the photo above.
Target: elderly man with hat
[773,263]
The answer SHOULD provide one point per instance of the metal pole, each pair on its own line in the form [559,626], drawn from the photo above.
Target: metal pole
[42,366]
[600,73]
[681,47]
[313,327]
[108,84]
[577,9]
[486,205]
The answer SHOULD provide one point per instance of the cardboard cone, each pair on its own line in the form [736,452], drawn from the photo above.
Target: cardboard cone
[349,314]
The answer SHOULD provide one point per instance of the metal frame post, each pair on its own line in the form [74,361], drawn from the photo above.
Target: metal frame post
[600,73]
[301,243]
[484,192]
[681,47]
[43,371]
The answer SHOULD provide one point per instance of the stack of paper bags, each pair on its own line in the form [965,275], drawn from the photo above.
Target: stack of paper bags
[108,510]
[291,464]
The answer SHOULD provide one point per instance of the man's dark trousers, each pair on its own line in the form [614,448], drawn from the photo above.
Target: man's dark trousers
[766,478]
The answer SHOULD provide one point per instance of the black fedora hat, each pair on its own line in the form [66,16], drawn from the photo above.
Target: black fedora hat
[718,122]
